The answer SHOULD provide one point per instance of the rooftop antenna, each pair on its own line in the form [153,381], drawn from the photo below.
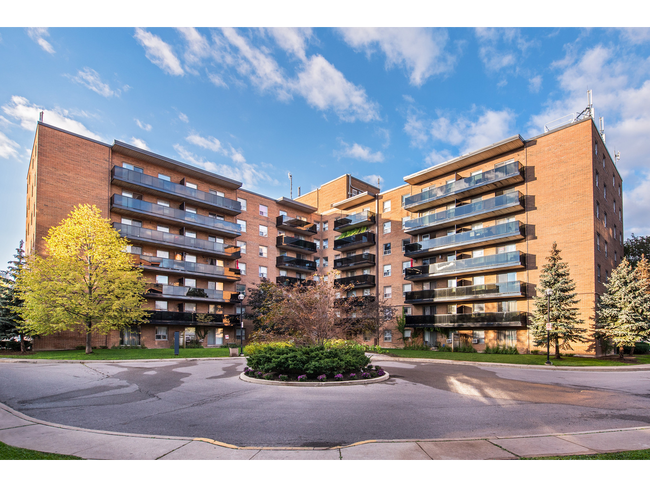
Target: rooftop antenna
[590,103]
[290,186]
[617,157]
[298,191]
[602,127]
[379,183]
[40,117]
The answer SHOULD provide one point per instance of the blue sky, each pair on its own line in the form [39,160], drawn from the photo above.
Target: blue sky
[254,104]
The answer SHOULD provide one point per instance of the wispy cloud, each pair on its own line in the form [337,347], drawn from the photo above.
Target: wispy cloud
[90,79]
[213,144]
[501,48]
[159,52]
[419,51]
[535,84]
[144,126]
[141,144]
[183,117]
[197,47]
[8,147]
[37,34]
[293,40]
[373,179]
[359,152]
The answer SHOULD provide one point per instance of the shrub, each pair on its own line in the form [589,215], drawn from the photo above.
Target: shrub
[640,348]
[322,378]
[353,376]
[365,375]
[233,345]
[338,377]
[352,344]
[252,348]
[284,378]
[15,346]
[311,361]
[466,348]
[302,378]
[380,372]
[502,350]
[415,344]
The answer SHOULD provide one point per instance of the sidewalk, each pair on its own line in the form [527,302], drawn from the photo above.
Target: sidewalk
[21,431]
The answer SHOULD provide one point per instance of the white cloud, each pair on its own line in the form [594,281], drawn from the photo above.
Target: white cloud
[636,35]
[139,143]
[144,126]
[415,128]
[215,145]
[251,175]
[501,48]
[385,134]
[183,117]
[197,47]
[325,87]
[37,34]
[636,204]
[216,80]
[535,84]
[419,51]
[292,39]
[27,114]
[8,148]
[359,152]
[159,52]
[372,179]
[90,79]
[438,157]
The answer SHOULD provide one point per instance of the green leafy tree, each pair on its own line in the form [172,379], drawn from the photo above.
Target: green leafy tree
[564,313]
[635,247]
[401,325]
[259,302]
[10,303]
[86,282]
[623,313]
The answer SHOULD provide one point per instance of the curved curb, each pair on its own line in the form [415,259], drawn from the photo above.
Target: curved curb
[358,382]
[115,361]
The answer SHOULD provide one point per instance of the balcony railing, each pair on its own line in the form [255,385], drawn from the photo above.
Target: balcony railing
[295,263]
[296,244]
[185,293]
[487,263]
[173,190]
[480,210]
[355,220]
[295,225]
[504,232]
[512,289]
[473,320]
[362,260]
[192,319]
[139,234]
[495,178]
[131,206]
[353,301]
[364,280]
[291,281]
[181,266]
[357,241]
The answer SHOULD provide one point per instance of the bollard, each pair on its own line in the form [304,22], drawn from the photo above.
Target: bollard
[176,342]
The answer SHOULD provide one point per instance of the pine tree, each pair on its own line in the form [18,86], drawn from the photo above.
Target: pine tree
[564,313]
[624,310]
[10,320]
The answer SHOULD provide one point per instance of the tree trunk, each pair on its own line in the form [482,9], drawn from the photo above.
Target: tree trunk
[22,343]
[89,348]
[621,352]
[632,351]
[557,349]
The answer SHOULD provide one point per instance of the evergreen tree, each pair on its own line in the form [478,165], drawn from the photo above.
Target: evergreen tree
[564,313]
[635,247]
[10,320]
[624,310]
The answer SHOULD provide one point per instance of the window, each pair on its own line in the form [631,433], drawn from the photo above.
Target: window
[406,288]
[506,248]
[478,280]
[128,194]
[598,272]
[387,227]
[325,226]
[407,310]
[507,306]
[404,196]
[614,207]
[619,190]
[212,238]
[404,220]
[598,242]
[405,242]
[326,261]
[283,213]
[386,206]
[189,209]
[242,246]
[388,292]
[135,223]
[163,254]
[596,148]
[218,193]
[477,253]
[605,190]
[606,275]
[242,224]
[317,242]
[478,308]
[242,202]
[605,249]
[161,333]
[242,269]
[614,182]
[478,336]
[386,249]
[132,249]
[317,227]
[620,237]
[132,167]
[263,251]
[387,270]
[164,177]
[263,272]
[388,336]
[190,234]
[325,244]
[264,210]
[597,209]
[189,307]
[161,305]
[405,265]
[192,185]
[603,161]
[614,231]
[160,228]
[605,219]
[597,178]
[507,338]
[162,280]
[190,258]
[317,261]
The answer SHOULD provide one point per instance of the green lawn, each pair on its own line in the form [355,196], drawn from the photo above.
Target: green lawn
[12,453]
[511,359]
[121,354]
[624,455]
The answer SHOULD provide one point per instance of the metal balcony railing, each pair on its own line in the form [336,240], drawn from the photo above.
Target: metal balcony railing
[184,292]
[149,262]
[290,281]
[361,260]
[355,220]
[192,319]
[295,243]
[359,240]
[295,225]
[364,280]
[353,301]
[473,320]
[479,291]
[507,260]
[295,263]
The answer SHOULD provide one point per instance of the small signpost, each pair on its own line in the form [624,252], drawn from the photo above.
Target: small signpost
[549,327]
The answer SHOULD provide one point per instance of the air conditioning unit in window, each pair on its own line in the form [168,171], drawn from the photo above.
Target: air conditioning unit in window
[474,340]
[448,340]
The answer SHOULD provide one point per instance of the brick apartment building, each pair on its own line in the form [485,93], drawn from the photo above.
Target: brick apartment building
[459,247]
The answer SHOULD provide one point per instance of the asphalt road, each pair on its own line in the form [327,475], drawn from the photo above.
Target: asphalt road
[420,401]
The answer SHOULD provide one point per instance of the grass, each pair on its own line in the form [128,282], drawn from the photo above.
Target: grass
[12,453]
[623,455]
[124,354]
[512,359]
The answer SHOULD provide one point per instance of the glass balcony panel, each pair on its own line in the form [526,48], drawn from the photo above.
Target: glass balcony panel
[290,281]
[508,259]
[172,317]
[479,291]
[469,320]
[354,261]
[295,243]
[166,290]
[294,262]
[355,241]
[152,263]
[295,225]
[179,190]
[455,189]
[351,221]
[364,280]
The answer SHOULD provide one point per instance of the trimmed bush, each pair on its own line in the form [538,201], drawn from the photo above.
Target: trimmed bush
[640,348]
[253,348]
[502,350]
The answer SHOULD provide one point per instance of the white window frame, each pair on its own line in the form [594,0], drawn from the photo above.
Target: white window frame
[161,333]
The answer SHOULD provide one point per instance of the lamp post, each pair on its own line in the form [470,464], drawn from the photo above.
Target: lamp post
[548,326]
[241,323]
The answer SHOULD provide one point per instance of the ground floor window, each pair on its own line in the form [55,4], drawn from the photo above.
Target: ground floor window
[388,336]
[240,333]
[507,338]
[407,333]
[130,337]
[161,333]
[478,337]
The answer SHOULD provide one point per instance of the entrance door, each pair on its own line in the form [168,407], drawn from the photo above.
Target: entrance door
[215,337]
[211,337]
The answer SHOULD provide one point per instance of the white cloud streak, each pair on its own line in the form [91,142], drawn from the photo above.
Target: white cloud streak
[8,148]
[213,144]
[183,117]
[144,126]
[159,52]
[372,179]
[359,152]
[139,143]
[90,79]
[37,34]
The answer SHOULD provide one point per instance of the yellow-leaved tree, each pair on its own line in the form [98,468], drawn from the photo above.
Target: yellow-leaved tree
[87,282]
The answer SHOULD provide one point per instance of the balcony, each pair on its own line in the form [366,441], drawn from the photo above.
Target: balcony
[470,320]
[165,291]
[498,177]
[505,232]
[292,281]
[357,282]
[481,210]
[355,262]
[138,182]
[171,266]
[354,301]
[173,241]
[357,241]
[295,225]
[143,209]
[296,244]
[356,220]
[500,290]
[192,319]
[476,265]
[295,263]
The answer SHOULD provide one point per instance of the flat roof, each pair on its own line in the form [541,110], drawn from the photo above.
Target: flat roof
[296,205]
[355,200]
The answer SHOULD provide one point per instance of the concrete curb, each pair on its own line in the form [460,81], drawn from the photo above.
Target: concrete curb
[358,382]
[140,360]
